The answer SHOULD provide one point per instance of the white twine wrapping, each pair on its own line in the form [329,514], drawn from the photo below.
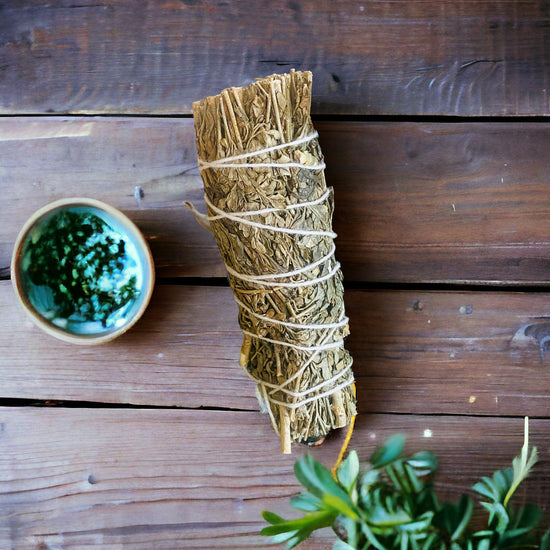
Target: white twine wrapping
[229,162]
[268,389]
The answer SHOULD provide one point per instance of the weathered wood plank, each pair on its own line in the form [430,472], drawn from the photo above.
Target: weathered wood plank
[470,353]
[377,57]
[172,479]
[415,202]
[183,352]
[451,352]
[440,202]
[138,478]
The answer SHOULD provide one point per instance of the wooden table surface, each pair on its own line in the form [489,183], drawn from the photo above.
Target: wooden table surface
[432,118]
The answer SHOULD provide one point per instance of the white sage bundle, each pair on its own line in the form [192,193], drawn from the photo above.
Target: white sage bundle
[271,214]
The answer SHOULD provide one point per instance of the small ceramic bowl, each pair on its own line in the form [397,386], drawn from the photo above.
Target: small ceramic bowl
[82,270]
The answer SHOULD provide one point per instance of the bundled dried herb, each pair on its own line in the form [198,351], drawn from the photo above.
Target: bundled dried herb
[271,213]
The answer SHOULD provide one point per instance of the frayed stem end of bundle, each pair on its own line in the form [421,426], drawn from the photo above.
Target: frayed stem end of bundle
[245,351]
[339,410]
[285,430]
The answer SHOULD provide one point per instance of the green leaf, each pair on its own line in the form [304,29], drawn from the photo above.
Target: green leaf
[484,544]
[497,511]
[404,477]
[486,533]
[348,530]
[503,480]
[371,537]
[464,513]
[427,500]
[340,506]
[432,542]
[391,451]
[341,545]
[369,478]
[272,518]
[279,528]
[307,502]
[399,477]
[415,482]
[314,521]
[317,479]
[522,524]
[545,542]
[382,517]
[348,471]
[291,538]
[485,489]
[295,531]
[421,523]
[495,488]
[424,463]
[528,517]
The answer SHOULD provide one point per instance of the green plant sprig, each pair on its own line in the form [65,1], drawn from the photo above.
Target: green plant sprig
[390,504]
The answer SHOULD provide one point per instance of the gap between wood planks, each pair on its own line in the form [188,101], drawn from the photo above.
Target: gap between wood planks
[315,117]
[474,286]
[67,404]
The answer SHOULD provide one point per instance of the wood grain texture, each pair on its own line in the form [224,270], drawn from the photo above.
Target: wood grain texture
[145,167]
[440,202]
[377,57]
[156,441]
[415,202]
[464,353]
[470,353]
[172,479]
[183,352]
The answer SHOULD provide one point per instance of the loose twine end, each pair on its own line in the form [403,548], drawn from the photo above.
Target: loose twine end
[201,218]
[347,439]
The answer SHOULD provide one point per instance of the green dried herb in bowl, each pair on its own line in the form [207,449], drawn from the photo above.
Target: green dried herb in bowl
[82,270]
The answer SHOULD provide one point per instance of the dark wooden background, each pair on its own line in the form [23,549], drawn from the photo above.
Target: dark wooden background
[432,117]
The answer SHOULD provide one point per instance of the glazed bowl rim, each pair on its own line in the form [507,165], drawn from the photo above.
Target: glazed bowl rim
[132,232]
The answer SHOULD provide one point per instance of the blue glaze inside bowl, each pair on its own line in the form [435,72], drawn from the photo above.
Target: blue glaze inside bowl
[81,270]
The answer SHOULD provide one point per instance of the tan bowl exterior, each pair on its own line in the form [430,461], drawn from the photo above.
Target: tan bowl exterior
[133,232]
